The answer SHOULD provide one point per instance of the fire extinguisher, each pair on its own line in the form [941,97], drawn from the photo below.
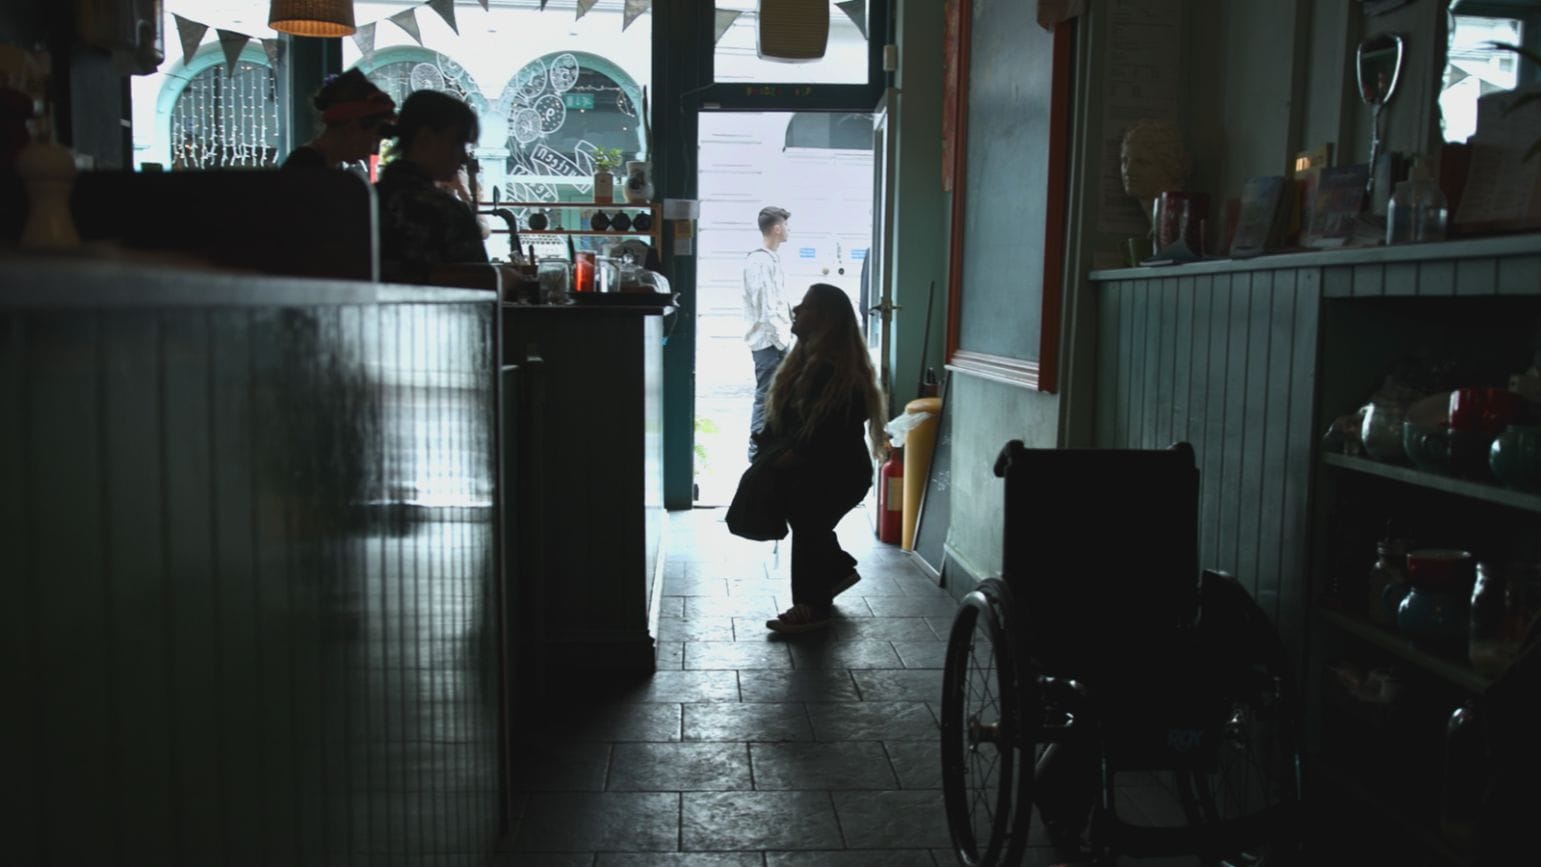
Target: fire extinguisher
[891,497]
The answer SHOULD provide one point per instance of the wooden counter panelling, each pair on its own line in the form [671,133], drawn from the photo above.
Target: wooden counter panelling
[597,506]
[247,529]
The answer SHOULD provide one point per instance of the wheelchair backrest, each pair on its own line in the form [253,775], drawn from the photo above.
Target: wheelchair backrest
[1101,550]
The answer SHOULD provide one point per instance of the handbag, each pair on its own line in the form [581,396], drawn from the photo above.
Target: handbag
[757,511]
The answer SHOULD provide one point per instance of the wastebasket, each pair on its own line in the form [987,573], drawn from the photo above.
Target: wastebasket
[919,443]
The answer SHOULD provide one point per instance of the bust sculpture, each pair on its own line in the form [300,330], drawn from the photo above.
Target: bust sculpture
[1152,161]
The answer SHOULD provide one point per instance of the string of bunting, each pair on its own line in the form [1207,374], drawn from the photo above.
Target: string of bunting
[191,33]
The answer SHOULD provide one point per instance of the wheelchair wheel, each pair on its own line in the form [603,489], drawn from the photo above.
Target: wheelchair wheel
[1247,805]
[985,779]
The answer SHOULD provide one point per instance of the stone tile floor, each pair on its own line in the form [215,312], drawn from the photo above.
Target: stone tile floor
[749,748]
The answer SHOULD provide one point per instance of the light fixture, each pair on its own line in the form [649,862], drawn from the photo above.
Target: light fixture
[792,31]
[312,17]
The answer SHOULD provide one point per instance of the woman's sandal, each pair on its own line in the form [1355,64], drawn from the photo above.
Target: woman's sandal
[798,618]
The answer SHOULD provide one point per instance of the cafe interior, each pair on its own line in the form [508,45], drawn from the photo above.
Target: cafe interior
[1210,339]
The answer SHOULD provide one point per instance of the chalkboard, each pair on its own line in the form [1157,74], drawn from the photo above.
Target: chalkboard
[1007,233]
[936,499]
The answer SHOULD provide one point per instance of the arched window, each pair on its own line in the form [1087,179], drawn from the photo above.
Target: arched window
[220,120]
[399,71]
[560,109]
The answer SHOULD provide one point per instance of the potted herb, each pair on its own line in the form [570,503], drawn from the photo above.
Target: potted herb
[606,161]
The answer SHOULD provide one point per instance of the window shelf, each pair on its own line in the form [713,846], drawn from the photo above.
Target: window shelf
[1433,481]
[1454,671]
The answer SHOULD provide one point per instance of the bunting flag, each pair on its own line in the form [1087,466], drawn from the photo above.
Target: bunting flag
[232,43]
[364,38]
[407,20]
[484,5]
[634,8]
[583,7]
[274,49]
[856,10]
[191,34]
[446,10]
[725,19]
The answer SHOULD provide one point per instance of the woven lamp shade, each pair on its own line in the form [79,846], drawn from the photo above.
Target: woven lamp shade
[312,17]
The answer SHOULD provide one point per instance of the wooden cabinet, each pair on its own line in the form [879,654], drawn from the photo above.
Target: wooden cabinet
[1386,765]
[589,448]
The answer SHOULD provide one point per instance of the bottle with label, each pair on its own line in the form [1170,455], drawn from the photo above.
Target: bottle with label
[1418,210]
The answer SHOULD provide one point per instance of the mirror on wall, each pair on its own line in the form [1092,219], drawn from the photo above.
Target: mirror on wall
[1379,69]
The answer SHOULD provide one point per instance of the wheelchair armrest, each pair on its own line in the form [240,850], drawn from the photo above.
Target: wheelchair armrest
[1219,573]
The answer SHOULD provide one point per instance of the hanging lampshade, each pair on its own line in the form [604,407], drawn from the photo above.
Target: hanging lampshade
[312,17]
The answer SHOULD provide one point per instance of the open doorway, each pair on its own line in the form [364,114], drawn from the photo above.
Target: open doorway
[818,166]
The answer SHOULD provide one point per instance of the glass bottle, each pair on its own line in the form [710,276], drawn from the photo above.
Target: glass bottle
[1390,554]
[1417,211]
[1465,773]
[1485,647]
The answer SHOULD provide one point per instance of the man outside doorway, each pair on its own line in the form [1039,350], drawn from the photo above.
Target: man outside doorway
[767,316]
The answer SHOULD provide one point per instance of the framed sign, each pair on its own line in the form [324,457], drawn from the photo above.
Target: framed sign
[1011,140]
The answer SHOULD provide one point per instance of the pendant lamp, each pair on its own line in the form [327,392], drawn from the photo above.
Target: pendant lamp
[312,17]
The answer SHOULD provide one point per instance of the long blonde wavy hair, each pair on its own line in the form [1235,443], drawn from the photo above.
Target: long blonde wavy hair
[837,341]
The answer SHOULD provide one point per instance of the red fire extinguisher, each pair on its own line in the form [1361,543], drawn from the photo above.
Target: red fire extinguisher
[891,497]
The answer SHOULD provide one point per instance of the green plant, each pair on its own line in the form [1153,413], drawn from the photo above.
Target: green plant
[703,426]
[607,159]
[1524,98]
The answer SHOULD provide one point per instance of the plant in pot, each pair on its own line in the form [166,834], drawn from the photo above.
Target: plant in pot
[606,161]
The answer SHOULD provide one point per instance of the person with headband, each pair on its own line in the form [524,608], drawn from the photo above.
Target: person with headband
[356,116]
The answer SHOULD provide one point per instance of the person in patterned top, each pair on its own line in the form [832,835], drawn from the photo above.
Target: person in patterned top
[421,225]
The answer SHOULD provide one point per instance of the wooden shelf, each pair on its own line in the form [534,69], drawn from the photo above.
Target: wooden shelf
[1447,484]
[1422,831]
[1454,671]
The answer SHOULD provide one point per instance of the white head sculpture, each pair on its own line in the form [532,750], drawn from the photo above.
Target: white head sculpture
[1152,160]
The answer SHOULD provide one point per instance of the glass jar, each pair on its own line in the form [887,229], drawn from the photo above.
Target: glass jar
[555,276]
[1387,571]
[1486,645]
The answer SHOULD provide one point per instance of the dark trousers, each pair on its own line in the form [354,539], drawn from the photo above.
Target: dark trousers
[814,506]
[765,363]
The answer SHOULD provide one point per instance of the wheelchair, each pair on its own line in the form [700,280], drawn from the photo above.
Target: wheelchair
[1137,706]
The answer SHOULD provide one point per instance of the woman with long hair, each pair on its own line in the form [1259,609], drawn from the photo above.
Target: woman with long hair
[823,409]
[355,116]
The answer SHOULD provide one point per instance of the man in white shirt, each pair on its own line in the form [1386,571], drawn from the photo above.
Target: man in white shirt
[767,315]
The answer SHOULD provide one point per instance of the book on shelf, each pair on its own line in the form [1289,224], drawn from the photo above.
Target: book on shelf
[1264,212]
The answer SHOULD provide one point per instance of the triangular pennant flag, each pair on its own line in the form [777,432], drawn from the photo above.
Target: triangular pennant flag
[634,8]
[484,5]
[856,10]
[725,19]
[584,6]
[191,34]
[233,43]
[364,38]
[407,20]
[446,10]
[274,48]
[543,5]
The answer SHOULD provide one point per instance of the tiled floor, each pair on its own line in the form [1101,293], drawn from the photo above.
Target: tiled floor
[748,748]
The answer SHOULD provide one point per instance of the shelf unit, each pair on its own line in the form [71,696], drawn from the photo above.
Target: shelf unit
[1446,484]
[1453,671]
[652,208]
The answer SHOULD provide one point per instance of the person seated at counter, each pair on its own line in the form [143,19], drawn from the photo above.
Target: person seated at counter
[355,115]
[422,226]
